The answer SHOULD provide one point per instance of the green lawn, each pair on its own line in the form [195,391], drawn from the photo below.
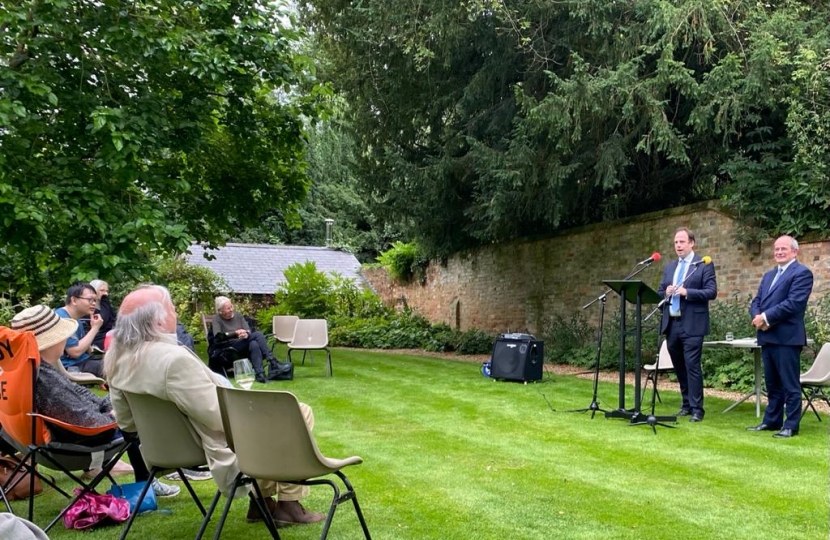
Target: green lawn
[451,455]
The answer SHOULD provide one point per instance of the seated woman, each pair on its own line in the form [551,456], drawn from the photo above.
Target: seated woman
[58,397]
[105,310]
[245,341]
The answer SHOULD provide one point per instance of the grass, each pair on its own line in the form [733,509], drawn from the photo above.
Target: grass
[449,455]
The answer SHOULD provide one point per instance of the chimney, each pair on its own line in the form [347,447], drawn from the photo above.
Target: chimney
[329,226]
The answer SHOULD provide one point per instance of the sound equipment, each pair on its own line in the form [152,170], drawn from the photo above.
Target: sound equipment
[517,357]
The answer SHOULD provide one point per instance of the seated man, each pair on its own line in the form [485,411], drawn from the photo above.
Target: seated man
[58,397]
[81,300]
[145,358]
[248,343]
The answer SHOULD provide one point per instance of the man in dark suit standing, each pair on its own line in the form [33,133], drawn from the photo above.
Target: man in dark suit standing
[688,285]
[777,313]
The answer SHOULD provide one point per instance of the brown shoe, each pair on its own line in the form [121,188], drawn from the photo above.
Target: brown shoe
[293,513]
[253,511]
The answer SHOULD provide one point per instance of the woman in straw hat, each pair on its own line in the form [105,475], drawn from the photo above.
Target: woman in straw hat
[58,397]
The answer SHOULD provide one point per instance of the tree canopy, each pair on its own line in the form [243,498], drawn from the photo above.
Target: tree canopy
[485,120]
[131,128]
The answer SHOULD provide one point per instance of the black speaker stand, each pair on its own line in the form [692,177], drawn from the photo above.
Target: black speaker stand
[594,406]
[653,420]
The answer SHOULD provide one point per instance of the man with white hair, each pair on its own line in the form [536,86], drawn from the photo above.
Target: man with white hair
[246,341]
[144,358]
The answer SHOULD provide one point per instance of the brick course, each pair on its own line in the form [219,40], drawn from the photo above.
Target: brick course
[516,286]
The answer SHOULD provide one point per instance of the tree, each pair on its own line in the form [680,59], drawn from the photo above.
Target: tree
[131,128]
[488,120]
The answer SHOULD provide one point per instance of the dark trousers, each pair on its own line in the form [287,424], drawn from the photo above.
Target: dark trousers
[685,352]
[782,374]
[256,348]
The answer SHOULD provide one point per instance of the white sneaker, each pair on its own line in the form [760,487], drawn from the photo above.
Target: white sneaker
[191,474]
[165,490]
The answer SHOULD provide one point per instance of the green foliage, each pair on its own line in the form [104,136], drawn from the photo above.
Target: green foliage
[403,261]
[130,129]
[407,330]
[724,367]
[335,192]
[306,292]
[192,289]
[486,121]
[8,308]
[571,341]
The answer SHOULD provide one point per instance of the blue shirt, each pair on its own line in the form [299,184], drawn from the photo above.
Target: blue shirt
[72,341]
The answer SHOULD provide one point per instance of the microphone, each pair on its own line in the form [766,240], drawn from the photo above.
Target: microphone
[705,260]
[654,257]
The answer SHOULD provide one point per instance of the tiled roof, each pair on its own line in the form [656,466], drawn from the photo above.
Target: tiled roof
[258,268]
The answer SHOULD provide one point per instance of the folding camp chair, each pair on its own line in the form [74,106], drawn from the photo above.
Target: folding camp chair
[260,425]
[25,430]
[168,441]
[816,379]
[311,335]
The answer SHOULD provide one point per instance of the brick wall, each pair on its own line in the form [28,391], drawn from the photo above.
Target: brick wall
[516,286]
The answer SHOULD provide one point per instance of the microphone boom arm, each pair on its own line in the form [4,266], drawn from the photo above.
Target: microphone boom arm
[669,296]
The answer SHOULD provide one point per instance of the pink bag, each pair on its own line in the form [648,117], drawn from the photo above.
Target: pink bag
[93,509]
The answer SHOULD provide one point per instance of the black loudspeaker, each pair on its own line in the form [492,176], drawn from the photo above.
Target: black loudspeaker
[517,359]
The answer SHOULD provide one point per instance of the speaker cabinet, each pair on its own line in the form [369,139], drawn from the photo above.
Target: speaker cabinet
[517,359]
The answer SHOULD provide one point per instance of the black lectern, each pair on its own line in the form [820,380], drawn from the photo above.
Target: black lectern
[637,293]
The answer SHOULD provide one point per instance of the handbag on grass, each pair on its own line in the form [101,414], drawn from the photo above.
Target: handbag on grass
[94,509]
[21,489]
[130,493]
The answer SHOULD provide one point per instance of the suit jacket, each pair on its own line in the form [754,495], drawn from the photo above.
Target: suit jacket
[784,305]
[701,287]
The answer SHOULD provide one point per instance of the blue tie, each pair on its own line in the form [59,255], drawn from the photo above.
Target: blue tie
[775,279]
[675,299]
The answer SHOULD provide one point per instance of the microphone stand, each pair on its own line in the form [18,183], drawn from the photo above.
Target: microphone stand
[652,419]
[594,406]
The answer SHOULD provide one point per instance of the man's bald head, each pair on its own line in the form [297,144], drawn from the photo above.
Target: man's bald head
[152,300]
[141,297]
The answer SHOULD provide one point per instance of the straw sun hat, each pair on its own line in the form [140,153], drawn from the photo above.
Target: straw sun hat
[48,327]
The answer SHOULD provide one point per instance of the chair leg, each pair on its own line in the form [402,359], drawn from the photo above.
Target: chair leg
[355,503]
[5,500]
[263,511]
[138,502]
[209,514]
[809,404]
[329,369]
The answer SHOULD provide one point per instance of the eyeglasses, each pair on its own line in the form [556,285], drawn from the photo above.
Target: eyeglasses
[90,299]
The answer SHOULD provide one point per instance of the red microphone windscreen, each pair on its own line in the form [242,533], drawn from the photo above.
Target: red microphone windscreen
[655,256]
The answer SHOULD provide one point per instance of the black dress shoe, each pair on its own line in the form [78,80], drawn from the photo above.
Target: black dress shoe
[683,412]
[260,378]
[696,417]
[786,433]
[763,427]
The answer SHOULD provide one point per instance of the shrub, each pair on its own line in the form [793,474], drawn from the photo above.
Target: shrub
[306,292]
[192,289]
[403,262]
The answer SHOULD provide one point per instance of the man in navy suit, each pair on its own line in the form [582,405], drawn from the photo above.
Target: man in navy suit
[688,285]
[777,313]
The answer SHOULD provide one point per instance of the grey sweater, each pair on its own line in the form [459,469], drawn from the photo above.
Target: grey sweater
[72,403]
